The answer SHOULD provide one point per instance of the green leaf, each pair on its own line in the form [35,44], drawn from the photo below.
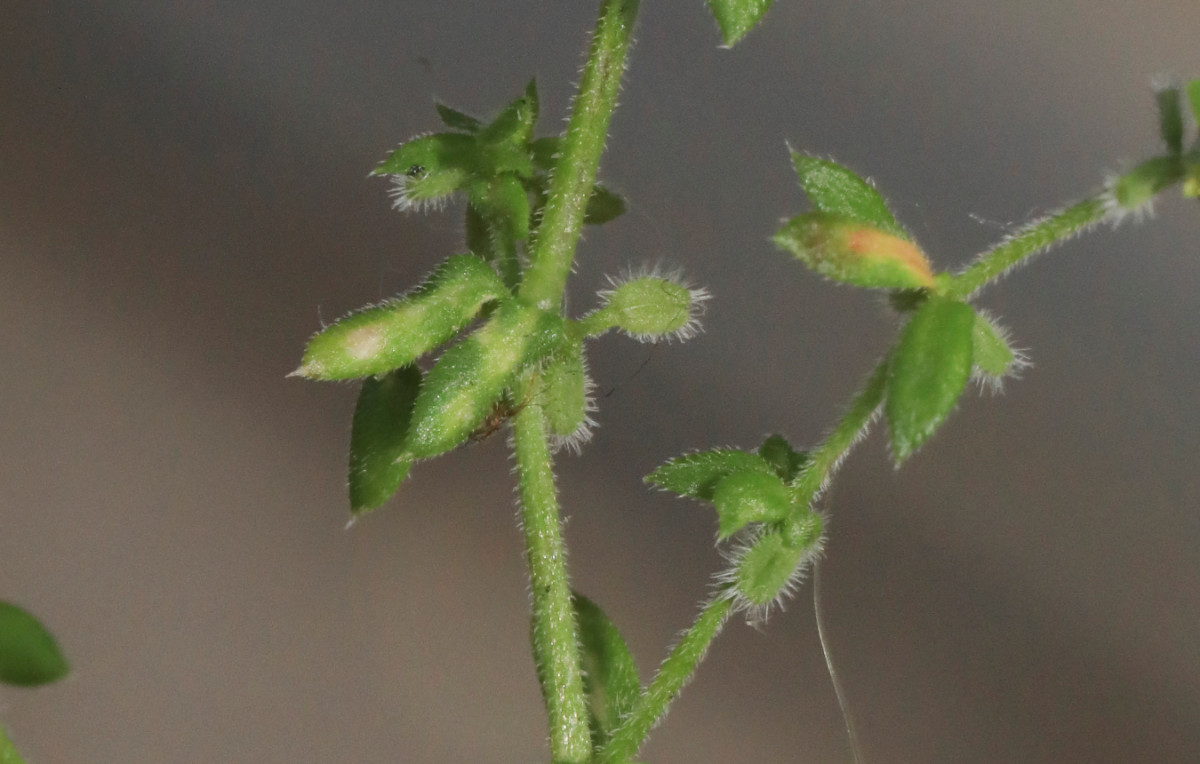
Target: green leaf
[697,474]
[1170,118]
[515,123]
[836,190]
[503,204]
[564,395]
[378,462]
[992,355]
[610,677]
[929,367]
[385,337]
[786,460]
[852,252]
[602,206]
[1193,96]
[766,568]
[737,17]
[750,497]
[29,656]
[470,377]
[440,162]
[545,152]
[456,120]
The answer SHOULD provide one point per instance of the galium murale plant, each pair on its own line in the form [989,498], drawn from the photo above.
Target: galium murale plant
[484,342]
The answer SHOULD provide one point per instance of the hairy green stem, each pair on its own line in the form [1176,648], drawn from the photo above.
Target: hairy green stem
[674,673]
[575,171]
[1025,243]
[8,752]
[554,633]
[853,425]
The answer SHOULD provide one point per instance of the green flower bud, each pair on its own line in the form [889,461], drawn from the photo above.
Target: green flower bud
[565,390]
[768,569]
[462,388]
[385,337]
[992,355]
[651,307]
[1133,192]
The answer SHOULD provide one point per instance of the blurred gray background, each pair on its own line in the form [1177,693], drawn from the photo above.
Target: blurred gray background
[183,201]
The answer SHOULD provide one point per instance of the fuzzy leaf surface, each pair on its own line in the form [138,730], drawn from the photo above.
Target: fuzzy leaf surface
[852,252]
[610,676]
[838,191]
[378,462]
[696,475]
[786,460]
[928,370]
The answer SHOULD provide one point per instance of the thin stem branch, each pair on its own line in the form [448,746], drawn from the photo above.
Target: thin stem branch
[575,171]
[674,673]
[1028,241]
[554,632]
[825,458]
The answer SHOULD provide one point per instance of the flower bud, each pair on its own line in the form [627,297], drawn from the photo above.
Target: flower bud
[653,306]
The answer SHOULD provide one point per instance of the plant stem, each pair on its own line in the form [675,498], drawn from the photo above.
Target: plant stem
[852,426]
[554,633]
[675,672]
[8,752]
[1028,241]
[575,171]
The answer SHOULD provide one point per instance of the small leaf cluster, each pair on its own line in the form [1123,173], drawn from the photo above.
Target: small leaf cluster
[498,351]
[1131,192]
[853,238]
[755,494]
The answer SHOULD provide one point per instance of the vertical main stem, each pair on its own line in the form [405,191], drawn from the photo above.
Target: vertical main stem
[575,170]
[555,641]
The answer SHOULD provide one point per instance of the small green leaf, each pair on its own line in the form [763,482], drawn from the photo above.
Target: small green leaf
[545,152]
[610,676]
[750,497]
[786,460]
[456,120]
[1193,96]
[697,474]
[504,206]
[430,168]
[764,571]
[603,205]
[470,377]
[29,656]
[515,123]
[1142,183]
[1170,118]
[378,463]
[992,355]
[737,17]
[385,337]
[564,395]
[929,367]
[836,190]
[852,252]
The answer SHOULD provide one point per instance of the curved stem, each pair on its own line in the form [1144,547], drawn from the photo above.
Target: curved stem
[575,171]
[675,672]
[554,633]
[1026,242]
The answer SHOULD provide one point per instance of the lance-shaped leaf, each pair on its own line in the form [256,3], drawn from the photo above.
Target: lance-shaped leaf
[737,17]
[1170,117]
[929,367]
[786,460]
[852,252]
[427,170]
[456,120]
[29,656]
[748,497]
[837,191]
[504,206]
[610,677]
[396,333]
[514,124]
[470,377]
[564,395]
[697,474]
[602,206]
[378,462]
[1193,96]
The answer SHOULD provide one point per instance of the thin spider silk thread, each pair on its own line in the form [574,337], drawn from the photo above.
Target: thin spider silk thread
[847,717]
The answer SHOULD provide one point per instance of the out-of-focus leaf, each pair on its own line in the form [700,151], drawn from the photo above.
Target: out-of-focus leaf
[610,677]
[737,17]
[29,656]
[378,463]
